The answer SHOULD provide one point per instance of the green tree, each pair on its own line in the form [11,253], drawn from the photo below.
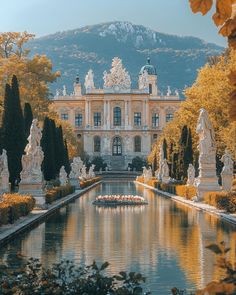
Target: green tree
[47,144]
[28,118]
[165,148]
[182,151]
[13,133]
[66,158]
[188,155]
[60,149]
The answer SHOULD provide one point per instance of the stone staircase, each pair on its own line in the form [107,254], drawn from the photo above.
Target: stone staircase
[118,163]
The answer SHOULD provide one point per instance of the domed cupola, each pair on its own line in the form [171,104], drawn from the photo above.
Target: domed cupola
[148,78]
[151,70]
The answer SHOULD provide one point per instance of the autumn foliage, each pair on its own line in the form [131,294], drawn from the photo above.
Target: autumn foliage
[224,18]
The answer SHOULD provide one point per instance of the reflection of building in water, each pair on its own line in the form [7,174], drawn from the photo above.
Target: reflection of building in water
[135,237]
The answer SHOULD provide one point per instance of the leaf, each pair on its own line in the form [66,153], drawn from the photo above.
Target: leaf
[214,248]
[202,6]
[227,28]
[104,265]
[123,274]
[223,11]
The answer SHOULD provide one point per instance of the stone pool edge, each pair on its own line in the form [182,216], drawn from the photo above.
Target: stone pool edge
[231,218]
[9,232]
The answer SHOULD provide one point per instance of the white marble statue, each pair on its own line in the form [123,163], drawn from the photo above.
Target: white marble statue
[207,180]
[76,167]
[168,91]
[89,82]
[4,172]
[57,93]
[161,160]
[64,91]
[165,172]
[191,175]
[84,173]
[205,130]
[91,173]
[227,171]
[118,78]
[33,158]
[176,93]
[63,176]
[143,80]
[147,174]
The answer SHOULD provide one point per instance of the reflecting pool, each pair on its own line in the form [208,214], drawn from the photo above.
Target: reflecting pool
[164,240]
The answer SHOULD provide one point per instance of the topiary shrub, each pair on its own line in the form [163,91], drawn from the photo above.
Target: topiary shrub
[138,163]
[99,163]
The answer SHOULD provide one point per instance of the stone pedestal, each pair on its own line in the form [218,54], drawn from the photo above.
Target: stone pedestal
[207,180]
[36,190]
[75,182]
[165,179]
[227,181]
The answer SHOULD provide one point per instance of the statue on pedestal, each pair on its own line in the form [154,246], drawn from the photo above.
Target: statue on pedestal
[161,160]
[76,167]
[63,176]
[64,91]
[31,174]
[84,175]
[207,180]
[4,172]
[227,171]
[89,83]
[33,158]
[191,175]
[91,173]
[165,172]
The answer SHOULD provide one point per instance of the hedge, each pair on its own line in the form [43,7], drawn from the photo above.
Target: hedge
[58,193]
[221,200]
[85,183]
[186,191]
[14,206]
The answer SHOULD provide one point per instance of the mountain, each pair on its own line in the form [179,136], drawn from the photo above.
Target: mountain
[73,52]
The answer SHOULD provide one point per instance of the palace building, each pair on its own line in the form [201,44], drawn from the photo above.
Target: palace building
[117,122]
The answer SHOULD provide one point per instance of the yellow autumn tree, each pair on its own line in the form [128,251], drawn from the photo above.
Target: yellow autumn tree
[34,75]
[210,91]
[224,17]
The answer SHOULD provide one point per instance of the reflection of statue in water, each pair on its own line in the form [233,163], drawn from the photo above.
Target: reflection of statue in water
[206,134]
[191,175]
[227,171]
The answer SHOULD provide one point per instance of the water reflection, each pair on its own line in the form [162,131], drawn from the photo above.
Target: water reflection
[163,240]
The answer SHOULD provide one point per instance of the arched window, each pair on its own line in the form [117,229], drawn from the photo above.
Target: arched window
[117,116]
[97,144]
[117,146]
[137,144]
[155,120]
[150,88]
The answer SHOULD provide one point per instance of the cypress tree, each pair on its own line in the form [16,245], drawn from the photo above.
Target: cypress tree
[66,158]
[188,155]
[47,144]
[182,150]
[165,148]
[13,133]
[28,118]
[60,153]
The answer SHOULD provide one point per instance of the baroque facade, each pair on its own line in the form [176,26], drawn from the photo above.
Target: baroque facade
[117,122]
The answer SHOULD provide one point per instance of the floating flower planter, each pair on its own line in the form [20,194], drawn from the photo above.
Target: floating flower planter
[119,200]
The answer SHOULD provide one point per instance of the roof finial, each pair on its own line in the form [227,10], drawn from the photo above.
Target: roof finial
[148,61]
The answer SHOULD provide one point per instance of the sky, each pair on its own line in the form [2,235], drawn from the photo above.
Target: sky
[43,17]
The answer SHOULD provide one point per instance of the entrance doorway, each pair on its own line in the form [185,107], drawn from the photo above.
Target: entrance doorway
[117,146]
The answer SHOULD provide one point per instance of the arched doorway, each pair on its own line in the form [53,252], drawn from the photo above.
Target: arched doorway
[117,146]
